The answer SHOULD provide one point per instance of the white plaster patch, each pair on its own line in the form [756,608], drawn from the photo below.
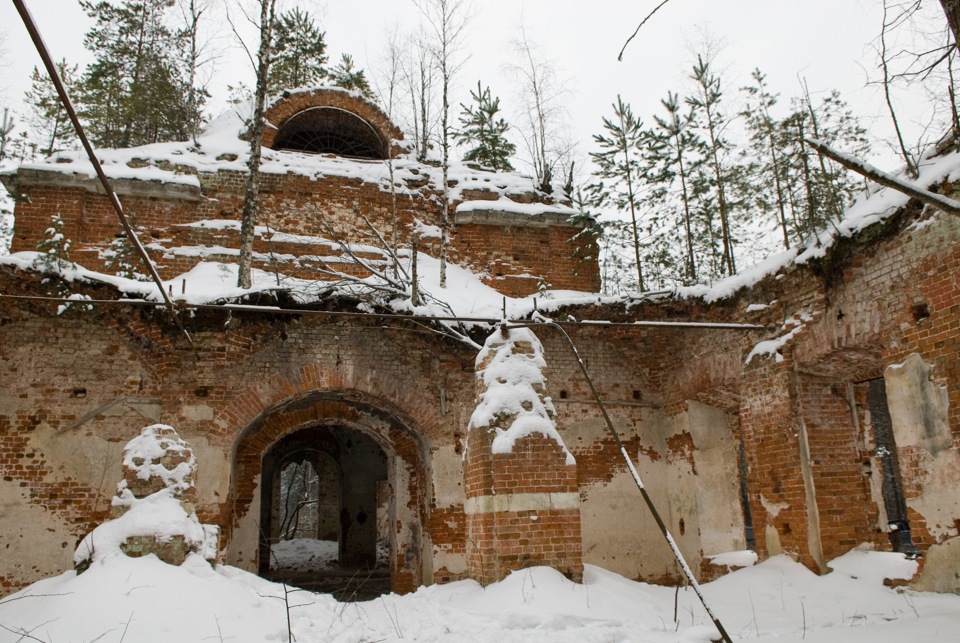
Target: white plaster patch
[773,508]
[522,502]
[447,470]
[197,412]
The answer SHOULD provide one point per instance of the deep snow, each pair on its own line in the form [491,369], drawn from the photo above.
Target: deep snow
[146,601]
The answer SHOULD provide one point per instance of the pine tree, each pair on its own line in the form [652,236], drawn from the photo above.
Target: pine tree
[299,52]
[716,182]
[766,157]
[484,131]
[818,190]
[121,258]
[674,152]
[345,75]
[136,91]
[619,171]
[54,256]
[49,116]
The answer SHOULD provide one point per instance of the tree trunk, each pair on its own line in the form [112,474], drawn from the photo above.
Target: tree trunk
[251,196]
[951,8]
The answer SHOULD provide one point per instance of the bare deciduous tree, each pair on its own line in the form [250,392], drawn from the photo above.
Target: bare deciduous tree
[251,197]
[544,115]
[447,21]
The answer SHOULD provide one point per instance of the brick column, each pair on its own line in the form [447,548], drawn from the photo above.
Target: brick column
[523,503]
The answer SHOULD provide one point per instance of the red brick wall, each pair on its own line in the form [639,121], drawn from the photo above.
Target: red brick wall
[518,260]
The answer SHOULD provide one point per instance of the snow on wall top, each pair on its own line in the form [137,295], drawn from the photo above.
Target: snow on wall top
[512,401]
[873,206]
[222,148]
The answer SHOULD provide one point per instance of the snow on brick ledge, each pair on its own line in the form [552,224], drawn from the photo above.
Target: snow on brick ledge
[153,510]
[512,401]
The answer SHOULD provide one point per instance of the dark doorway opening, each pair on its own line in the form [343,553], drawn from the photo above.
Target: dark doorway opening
[898,524]
[325,513]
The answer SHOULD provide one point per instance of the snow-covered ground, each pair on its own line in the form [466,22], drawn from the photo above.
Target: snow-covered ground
[145,600]
[305,554]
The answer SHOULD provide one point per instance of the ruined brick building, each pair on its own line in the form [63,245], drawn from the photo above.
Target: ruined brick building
[809,436]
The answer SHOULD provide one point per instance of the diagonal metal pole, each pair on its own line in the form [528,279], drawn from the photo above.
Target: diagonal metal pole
[111,195]
[636,476]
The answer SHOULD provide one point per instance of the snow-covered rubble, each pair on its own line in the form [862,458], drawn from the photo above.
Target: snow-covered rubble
[152,513]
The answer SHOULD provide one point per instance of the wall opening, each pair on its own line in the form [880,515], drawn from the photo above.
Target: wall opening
[894,501]
[325,508]
[331,130]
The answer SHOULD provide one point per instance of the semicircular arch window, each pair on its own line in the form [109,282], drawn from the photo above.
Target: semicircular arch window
[330,130]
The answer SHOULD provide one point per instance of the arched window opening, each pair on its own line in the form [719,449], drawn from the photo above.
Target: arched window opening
[330,130]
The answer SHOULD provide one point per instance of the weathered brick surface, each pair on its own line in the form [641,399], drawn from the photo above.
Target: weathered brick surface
[76,386]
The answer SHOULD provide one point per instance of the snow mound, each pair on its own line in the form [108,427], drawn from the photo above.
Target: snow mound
[144,600]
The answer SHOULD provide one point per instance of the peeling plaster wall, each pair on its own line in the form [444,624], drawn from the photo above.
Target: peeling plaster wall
[717,485]
[919,410]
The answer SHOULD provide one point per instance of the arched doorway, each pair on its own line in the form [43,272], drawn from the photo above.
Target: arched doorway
[324,507]
[330,486]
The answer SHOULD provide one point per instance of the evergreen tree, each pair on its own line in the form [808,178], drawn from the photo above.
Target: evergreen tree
[817,189]
[675,153]
[299,52]
[54,256]
[136,91]
[345,75]
[715,181]
[482,129]
[121,258]
[619,171]
[49,117]
[766,157]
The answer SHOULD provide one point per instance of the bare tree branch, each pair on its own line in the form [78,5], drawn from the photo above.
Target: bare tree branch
[637,30]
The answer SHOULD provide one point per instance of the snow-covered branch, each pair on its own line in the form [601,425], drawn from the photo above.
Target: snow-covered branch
[887,180]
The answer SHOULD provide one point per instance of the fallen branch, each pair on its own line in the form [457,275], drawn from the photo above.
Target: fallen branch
[912,190]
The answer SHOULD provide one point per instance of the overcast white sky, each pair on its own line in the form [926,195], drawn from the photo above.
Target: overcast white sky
[825,41]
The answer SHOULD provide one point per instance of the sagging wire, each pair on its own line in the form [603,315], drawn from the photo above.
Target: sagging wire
[490,321]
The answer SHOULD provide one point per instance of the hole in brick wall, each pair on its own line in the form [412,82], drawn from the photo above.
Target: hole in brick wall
[920,312]
[683,527]
[636,395]
[563,395]
[203,391]
[79,392]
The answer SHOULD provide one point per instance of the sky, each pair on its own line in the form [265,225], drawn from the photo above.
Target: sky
[827,43]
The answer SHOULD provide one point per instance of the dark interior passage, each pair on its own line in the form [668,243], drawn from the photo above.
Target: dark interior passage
[325,513]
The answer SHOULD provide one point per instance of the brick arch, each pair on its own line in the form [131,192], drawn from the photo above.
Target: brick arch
[393,430]
[291,104]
